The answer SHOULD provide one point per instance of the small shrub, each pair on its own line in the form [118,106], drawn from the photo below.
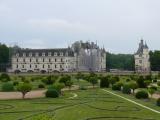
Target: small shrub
[41,86]
[158,83]
[7,87]
[52,93]
[4,77]
[126,89]
[158,102]
[83,88]
[140,82]
[142,95]
[117,86]
[15,83]
[104,82]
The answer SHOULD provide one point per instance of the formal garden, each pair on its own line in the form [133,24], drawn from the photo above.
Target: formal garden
[80,96]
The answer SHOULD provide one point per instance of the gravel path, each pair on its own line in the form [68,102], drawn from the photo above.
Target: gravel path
[32,94]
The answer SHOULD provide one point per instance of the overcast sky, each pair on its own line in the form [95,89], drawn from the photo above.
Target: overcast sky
[116,24]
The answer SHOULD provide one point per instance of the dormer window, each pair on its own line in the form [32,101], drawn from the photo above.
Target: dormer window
[30,54]
[61,53]
[17,54]
[43,54]
[24,54]
[55,54]
[37,54]
[49,54]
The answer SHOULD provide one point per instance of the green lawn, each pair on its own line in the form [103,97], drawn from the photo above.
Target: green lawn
[92,104]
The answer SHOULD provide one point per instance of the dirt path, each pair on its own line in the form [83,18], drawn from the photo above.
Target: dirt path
[32,94]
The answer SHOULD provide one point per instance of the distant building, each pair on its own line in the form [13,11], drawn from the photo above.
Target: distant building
[142,59]
[80,57]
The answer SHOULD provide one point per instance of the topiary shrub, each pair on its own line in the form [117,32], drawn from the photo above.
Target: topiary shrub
[117,86]
[52,93]
[83,88]
[158,83]
[158,102]
[142,95]
[126,89]
[140,82]
[41,86]
[15,83]
[7,87]
[104,82]
[4,77]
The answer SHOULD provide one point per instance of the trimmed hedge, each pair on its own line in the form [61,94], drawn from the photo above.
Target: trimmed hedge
[126,89]
[142,95]
[158,102]
[52,93]
[117,86]
[7,87]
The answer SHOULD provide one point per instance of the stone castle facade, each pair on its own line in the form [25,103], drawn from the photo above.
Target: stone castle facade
[81,56]
[142,59]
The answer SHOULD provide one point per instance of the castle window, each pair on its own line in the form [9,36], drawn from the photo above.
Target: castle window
[43,54]
[55,66]
[60,66]
[61,53]
[35,66]
[30,66]
[24,60]
[48,66]
[49,60]
[140,61]
[17,60]
[30,54]
[17,54]
[55,60]
[43,59]
[30,60]
[61,59]
[24,54]
[36,60]
[43,66]
[55,54]
[17,66]
[49,54]
[37,54]
[22,66]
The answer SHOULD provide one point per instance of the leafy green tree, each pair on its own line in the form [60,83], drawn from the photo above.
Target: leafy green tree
[104,82]
[93,81]
[24,88]
[140,82]
[59,87]
[133,86]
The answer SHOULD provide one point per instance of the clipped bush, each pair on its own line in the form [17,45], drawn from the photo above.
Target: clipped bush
[158,102]
[4,77]
[41,86]
[83,88]
[126,89]
[7,87]
[158,83]
[104,82]
[142,95]
[117,86]
[52,93]
[140,82]
[15,83]
[58,87]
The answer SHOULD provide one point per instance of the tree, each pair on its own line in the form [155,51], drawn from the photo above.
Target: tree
[133,86]
[5,77]
[140,82]
[104,82]
[24,88]
[59,87]
[93,81]
[64,79]
[69,83]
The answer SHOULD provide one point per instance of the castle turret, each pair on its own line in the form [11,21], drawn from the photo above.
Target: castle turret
[142,63]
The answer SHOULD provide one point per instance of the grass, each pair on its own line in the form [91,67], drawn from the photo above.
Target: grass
[93,104]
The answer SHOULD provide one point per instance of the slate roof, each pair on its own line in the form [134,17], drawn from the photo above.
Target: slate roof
[142,46]
[65,51]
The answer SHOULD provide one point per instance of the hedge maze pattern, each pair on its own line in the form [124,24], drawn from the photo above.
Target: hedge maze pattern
[88,101]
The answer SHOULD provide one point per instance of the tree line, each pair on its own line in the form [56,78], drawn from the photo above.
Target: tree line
[113,61]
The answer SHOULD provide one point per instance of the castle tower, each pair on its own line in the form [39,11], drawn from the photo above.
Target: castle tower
[142,62]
